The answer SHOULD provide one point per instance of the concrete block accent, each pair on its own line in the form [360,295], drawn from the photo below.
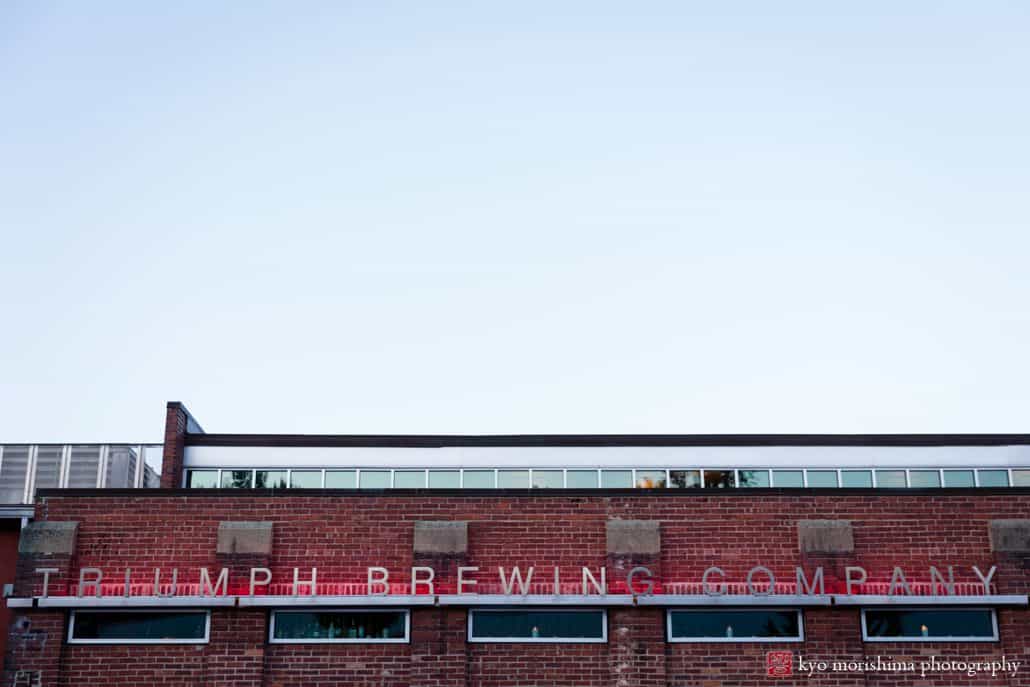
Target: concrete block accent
[441,536]
[634,537]
[46,537]
[825,536]
[1010,536]
[245,538]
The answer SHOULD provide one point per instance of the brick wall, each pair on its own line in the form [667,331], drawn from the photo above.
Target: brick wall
[342,535]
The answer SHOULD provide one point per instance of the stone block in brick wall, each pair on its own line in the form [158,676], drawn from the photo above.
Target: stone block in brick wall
[634,537]
[825,536]
[441,537]
[47,537]
[1010,536]
[245,538]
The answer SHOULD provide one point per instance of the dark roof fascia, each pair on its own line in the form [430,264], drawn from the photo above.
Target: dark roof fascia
[597,440]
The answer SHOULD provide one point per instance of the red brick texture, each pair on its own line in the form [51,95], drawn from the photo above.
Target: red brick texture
[176,419]
[342,535]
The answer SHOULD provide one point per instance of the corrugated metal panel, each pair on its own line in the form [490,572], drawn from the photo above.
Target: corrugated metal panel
[48,466]
[83,466]
[14,465]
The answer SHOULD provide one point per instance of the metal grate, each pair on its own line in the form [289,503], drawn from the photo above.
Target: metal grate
[84,466]
[14,465]
[121,467]
[48,466]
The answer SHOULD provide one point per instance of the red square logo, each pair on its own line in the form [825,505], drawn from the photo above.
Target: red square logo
[779,663]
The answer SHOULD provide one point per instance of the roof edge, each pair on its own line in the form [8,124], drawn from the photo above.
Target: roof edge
[595,440]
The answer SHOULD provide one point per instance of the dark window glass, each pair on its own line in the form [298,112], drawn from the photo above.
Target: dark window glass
[929,624]
[236,479]
[754,478]
[650,479]
[730,625]
[271,479]
[202,479]
[530,625]
[339,626]
[685,479]
[146,626]
[719,479]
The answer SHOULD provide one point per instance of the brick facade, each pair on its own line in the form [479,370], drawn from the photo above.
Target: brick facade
[343,534]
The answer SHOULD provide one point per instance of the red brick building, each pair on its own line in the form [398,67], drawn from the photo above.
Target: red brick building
[723,577]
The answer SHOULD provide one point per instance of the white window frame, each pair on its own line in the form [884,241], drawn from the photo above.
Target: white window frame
[732,640]
[272,639]
[599,471]
[923,640]
[603,639]
[205,640]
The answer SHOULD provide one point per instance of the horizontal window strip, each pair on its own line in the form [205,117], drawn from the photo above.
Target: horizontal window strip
[603,478]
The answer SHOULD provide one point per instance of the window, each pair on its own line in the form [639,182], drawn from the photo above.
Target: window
[513,479]
[374,479]
[764,625]
[650,479]
[138,627]
[306,479]
[479,479]
[754,478]
[719,479]
[236,479]
[735,626]
[856,478]
[332,626]
[924,478]
[270,479]
[551,626]
[994,478]
[548,479]
[1021,478]
[959,478]
[202,479]
[788,478]
[822,478]
[581,479]
[891,479]
[685,479]
[409,479]
[341,479]
[444,479]
[928,625]
[616,479]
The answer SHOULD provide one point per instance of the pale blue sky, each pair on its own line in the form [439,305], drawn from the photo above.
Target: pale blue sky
[523,217]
